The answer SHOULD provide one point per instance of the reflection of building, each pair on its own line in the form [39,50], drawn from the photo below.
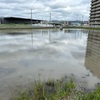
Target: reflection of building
[92,61]
[95,13]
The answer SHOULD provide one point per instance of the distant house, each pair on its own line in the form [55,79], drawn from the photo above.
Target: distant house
[17,20]
[59,23]
[75,23]
[78,23]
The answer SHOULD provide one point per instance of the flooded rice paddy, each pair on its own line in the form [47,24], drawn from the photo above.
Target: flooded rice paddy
[27,55]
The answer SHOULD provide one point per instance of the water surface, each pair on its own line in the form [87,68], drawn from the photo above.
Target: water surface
[26,55]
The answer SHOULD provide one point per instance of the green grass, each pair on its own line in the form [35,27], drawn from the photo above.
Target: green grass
[89,28]
[29,26]
[21,26]
[57,90]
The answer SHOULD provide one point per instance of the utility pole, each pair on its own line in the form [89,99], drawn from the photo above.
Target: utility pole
[76,17]
[50,17]
[31,16]
[82,19]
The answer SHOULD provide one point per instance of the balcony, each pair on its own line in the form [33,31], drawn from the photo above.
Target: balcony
[95,6]
[95,23]
[95,19]
[95,9]
[95,13]
[95,2]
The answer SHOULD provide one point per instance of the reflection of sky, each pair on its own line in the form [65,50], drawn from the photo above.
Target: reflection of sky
[39,38]
[46,47]
[63,48]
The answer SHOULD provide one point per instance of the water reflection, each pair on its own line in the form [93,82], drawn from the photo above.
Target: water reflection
[92,59]
[50,53]
[32,37]
[24,39]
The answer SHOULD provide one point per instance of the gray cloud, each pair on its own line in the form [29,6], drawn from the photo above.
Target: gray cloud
[60,9]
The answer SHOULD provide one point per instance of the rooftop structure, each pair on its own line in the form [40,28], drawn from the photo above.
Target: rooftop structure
[95,13]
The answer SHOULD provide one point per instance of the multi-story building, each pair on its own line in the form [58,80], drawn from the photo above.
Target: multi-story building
[95,13]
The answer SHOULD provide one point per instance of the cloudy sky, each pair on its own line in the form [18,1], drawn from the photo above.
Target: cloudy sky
[41,9]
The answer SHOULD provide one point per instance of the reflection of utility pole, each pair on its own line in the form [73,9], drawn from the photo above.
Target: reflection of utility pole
[31,16]
[32,37]
[49,35]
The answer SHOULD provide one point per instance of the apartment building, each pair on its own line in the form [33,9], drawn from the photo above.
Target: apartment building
[95,13]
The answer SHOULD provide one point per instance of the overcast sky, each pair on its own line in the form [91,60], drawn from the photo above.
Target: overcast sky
[59,9]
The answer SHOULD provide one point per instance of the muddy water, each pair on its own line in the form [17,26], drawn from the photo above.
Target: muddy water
[26,55]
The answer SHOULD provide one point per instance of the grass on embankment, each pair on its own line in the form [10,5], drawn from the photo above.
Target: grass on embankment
[29,26]
[57,90]
[89,28]
[22,26]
